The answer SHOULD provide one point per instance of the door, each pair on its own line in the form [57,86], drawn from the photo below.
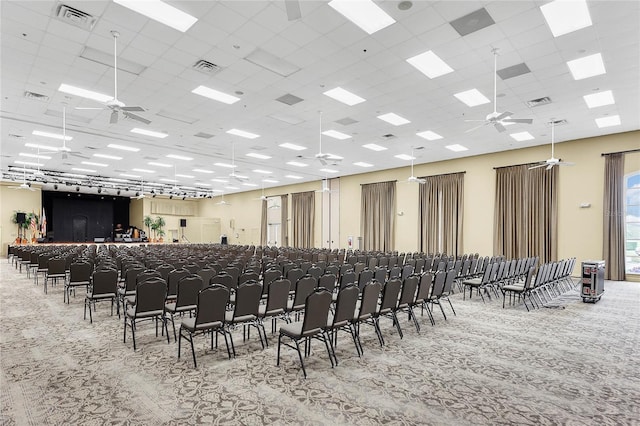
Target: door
[79,227]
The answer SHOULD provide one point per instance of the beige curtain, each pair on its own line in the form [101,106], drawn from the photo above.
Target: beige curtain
[284,220]
[613,250]
[263,224]
[526,213]
[441,205]
[303,214]
[378,216]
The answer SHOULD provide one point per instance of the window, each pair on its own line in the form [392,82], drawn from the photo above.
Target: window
[632,224]
[273,221]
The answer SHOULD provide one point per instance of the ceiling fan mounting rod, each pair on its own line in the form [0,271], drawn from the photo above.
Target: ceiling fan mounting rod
[553,139]
[495,79]
[115,35]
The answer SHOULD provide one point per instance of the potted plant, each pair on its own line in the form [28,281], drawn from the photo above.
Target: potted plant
[148,221]
[161,234]
[157,226]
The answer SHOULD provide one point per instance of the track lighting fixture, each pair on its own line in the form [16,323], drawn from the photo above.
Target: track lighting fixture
[77,189]
[55,186]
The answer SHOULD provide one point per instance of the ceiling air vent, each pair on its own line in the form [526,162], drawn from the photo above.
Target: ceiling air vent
[539,102]
[203,135]
[289,99]
[36,96]
[558,122]
[388,136]
[13,135]
[346,121]
[75,17]
[206,67]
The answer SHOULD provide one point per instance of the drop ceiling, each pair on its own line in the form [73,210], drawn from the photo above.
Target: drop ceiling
[239,40]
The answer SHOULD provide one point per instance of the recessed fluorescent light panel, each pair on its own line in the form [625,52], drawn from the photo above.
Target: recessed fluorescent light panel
[599,99]
[91,163]
[522,136]
[51,135]
[80,169]
[249,184]
[344,96]
[27,163]
[613,120]
[219,180]
[296,163]
[167,180]
[215,95]
[329,170]
[362,164]
[41,157]
[84,93]
[202,171]
[472,97]
[179,157]
[43,147]
[108,157]
[128,175]
[394,119]
[143,171]
[123,147]
[405,157]
[429,135]
[456,148]
[161,12]
[151,133]
[293,177]
[243,134]
[430,64]
[185,176]
[264,172]
[374,147]
[227,165]
[564,17]
[336,134]
[258,156]
[586,67]
[270,180]
[232,187]
[153,163]
[364,13]
[292,146]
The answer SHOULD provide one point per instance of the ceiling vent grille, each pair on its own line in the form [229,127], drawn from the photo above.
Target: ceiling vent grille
[346,121]
[203,135]
[206,67]
[13,135]
[388,136]
[75,17]
[558,122]
[36,96]
[289,99]
[539,102]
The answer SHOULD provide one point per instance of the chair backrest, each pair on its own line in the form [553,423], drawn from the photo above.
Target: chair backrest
[448,281]
[419,266]
[364,277]
[316,311]
[277,295]
[192,267]
[187,290]
[248,276]
[426,282]
[390,294]
[347,278]
[174,278]
[438,284]
[211,304]
[359,267]
[131,275]
[224,279]
[147,274]
[164,270]
[104,281]
[271,275]
[57,266]
[406,271]
[43,260]
[528,282]
[380,275]
[294,275]
[150,295]
[315,272]
[369,303]
[247,299]
[327,281]
[395,272]
[346,305]
[303,288]
[409,288]
[80,272]
[332,269]
[206,274]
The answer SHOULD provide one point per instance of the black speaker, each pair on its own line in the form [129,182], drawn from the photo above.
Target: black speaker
[21,217]
[183,223]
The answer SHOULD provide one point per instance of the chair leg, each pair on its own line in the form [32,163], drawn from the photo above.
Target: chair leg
[193,352]
[225,341]
[355,338]
[278,356]
[327,343]
[397,324]
[453,310]
[180,341]
[173,324]
[133,333]
[376,325]
[301,359]
[90,314]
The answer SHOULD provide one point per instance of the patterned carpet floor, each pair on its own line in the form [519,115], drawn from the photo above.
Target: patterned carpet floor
[575,364]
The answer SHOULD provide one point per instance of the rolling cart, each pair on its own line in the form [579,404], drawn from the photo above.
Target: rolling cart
[592,280]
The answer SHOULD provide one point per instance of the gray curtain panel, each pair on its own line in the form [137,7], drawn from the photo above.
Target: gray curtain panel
[526,213]
[378,216]
[284,220]
[441,204]
[263,224]
[613,250]
[303,214]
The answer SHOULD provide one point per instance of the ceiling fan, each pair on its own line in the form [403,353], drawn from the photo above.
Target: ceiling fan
[552,161]
[325,187]
[413,178]
[24,185]
[498,119]
[324,157]
[222,202]
[115,105]
[64,150]
[233,174]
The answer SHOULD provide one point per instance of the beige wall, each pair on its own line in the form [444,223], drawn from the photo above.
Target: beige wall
[11,201]
[580,229]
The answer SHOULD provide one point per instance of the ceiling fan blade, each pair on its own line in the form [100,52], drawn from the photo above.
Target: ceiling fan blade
[114,117]
[566,163]
[87,108]
[322,161]
[133,108]
[422,181]
[136,117]
[499,127]
[470,121]
[503,116]
[518,120]
[477,127]
[550,166]
[537,166]
[293,9]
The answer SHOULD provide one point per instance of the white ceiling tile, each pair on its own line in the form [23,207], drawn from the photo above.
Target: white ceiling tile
[423,20]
